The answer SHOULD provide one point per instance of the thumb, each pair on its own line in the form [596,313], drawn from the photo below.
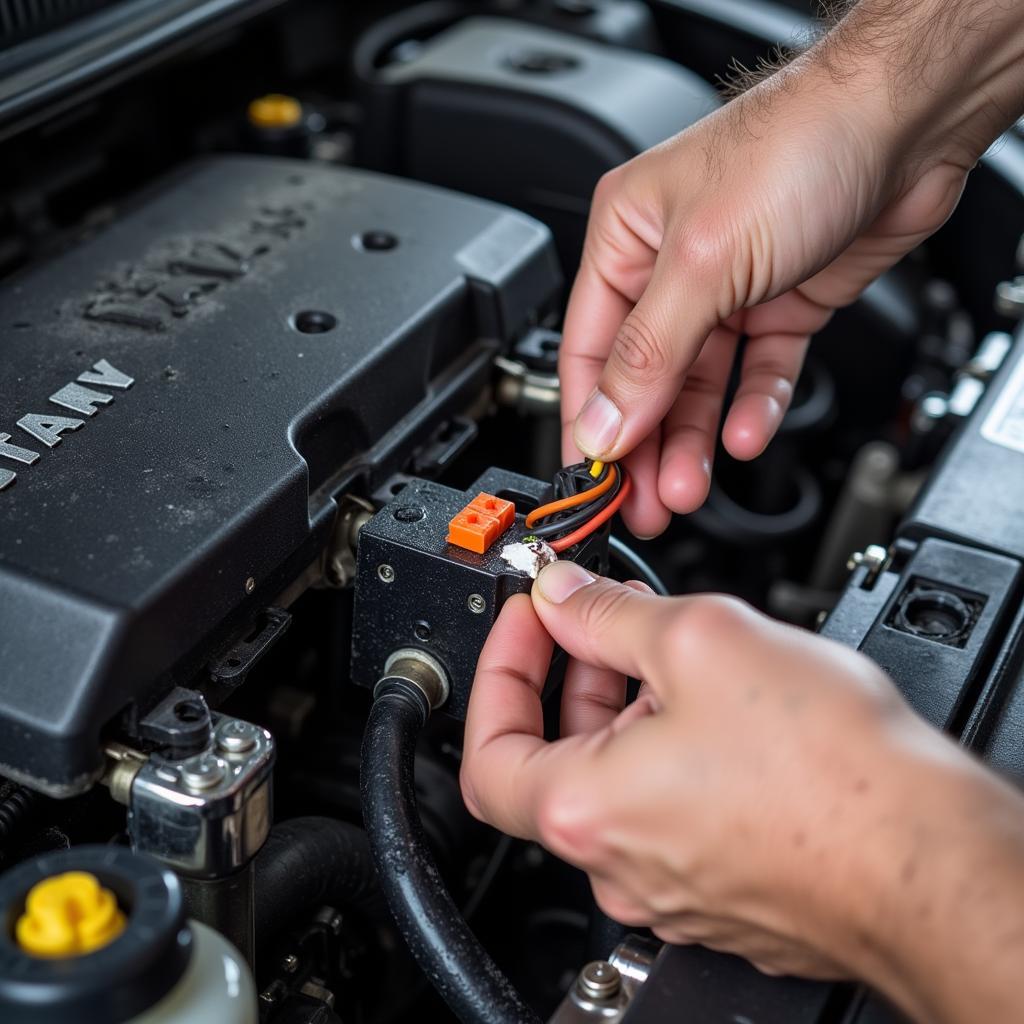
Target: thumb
[647,365]
[600,622]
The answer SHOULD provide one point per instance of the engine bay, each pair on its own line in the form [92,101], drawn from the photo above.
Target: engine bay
[281,293]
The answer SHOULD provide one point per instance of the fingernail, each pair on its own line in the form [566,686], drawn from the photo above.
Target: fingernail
[560,580]
[598,426]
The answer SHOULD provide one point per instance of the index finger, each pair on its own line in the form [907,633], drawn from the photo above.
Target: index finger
[506,762]
[592,320]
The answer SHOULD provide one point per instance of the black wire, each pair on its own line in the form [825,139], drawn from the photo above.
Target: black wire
[636,567]
[571,480]
[574,519]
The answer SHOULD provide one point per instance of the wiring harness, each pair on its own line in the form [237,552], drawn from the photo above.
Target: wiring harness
[586,496]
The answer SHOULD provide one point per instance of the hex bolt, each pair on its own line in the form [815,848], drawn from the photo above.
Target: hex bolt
[1009,300]
[874,556]
[476,604]
[599,981]
[201,773]
[386,573]
[236,736]
[290,963]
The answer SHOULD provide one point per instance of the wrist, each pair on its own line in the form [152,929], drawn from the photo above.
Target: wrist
[944,884]
[934,81]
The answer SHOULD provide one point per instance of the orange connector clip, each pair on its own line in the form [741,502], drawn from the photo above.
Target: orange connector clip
[481,523]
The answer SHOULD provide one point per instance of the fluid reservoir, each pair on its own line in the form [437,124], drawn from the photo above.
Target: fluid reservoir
[99,933]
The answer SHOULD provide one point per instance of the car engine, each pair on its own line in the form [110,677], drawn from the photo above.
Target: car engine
[281,290]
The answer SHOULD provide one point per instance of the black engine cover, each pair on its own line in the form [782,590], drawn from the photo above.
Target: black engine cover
[289,331]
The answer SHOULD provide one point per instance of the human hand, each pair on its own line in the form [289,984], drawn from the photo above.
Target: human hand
[769,794]
[758,222]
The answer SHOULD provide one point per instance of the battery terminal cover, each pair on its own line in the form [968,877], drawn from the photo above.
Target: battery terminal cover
[481,523]
[69,915]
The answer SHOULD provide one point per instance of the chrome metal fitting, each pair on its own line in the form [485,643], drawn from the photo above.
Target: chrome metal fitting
[420,669]
[206,815]
[599,980]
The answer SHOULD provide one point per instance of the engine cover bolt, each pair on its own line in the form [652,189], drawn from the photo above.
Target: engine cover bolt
[386,573]
[599,980]
[1010,298]
[476,604]
[236,737]
[201,773]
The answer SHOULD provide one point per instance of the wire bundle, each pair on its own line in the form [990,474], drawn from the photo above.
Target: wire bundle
[586,496]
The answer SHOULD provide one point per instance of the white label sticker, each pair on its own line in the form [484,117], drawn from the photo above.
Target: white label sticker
[1004,425]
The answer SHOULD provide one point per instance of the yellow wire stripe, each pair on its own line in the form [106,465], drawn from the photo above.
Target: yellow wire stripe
[583,498]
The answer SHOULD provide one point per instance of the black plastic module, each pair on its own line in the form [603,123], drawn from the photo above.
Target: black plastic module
[976,494]
[184,394]
[415,590]
[933,621]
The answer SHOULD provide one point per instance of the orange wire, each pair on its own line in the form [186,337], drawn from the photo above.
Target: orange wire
[591,525]
[583,498]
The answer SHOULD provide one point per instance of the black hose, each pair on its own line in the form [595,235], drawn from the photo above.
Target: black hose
[635,566]
[310,862]
[16,809]
[722,518]
[439,938]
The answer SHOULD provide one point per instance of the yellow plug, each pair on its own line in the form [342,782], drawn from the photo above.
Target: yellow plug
[68,915]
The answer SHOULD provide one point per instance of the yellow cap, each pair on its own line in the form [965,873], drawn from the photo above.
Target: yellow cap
[68,915]
[275,111]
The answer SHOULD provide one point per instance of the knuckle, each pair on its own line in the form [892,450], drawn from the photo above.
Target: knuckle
[703,623]
[568,824]
[608,186]
[701,249]
[641,349]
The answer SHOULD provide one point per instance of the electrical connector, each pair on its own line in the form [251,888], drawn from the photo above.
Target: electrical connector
[481,523]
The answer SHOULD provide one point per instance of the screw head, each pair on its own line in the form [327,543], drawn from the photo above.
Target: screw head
[409,513]
[250,585]
[599,980]
[236,736]
[290,963]
[386,573]
[201,773]
[476,604]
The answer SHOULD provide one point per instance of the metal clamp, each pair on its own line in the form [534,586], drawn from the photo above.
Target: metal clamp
[206,815]
[529,392]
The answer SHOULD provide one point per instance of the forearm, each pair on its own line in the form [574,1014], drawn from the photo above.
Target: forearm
[944,77]
[942,916]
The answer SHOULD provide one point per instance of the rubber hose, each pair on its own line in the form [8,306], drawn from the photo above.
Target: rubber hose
[722,518]
[15,809]
[438,937]
[310,862]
